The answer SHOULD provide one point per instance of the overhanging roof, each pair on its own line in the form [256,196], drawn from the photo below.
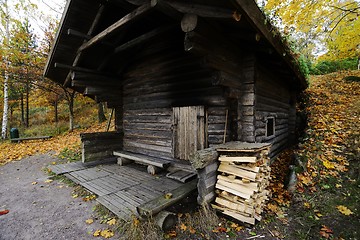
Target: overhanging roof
[92,32]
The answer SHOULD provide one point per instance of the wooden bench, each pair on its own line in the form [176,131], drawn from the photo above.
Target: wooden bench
[155,165]
[30,138]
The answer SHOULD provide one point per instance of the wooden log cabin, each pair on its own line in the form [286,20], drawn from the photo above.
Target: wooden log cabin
[182,75]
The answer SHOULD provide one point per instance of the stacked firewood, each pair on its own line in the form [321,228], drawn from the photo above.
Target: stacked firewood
[241,184]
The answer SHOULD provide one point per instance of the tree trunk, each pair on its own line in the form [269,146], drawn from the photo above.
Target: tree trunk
[6,76]
[56,110]
[22,110]
[71,110]
[101,114]
[27,103]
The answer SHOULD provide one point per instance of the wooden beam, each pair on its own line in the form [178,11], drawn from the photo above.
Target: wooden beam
[90,32]
[137,13]
[158,204]
[166,9]
[143,38]
[72,32]
[75,68]
[100,90]
[189,22]
[201,10]
[84,76]
[75,33]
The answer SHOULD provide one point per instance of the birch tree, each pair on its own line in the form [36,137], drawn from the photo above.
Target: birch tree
[5,15]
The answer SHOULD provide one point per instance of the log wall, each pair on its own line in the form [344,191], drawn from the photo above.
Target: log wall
[273,99]
[161,77]
[99,146]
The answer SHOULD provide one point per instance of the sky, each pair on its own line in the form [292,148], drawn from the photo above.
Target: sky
[45,9]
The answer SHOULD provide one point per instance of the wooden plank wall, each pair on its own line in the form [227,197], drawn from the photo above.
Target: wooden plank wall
[100,145]
[273,99]
[163,76]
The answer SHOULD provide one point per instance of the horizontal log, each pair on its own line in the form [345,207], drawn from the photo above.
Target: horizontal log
[154,141]
[148,147]
[148,152]
[201,10]
[150,112]
[79,69]
[90,157]
[160,203]
[148,119]
[226,79]
[202,158]
[96,90]
[147,126]
[84,76]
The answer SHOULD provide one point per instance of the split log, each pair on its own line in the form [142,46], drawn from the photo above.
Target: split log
[224,158]
[232,169]
[202,158]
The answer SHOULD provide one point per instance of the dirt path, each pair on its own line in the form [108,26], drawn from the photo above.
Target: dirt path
[42,210]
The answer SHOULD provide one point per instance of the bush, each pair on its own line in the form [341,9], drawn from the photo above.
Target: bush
[327,66]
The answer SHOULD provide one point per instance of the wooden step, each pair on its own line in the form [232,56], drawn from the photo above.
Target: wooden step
[180,175]
[158,204]
[158,162]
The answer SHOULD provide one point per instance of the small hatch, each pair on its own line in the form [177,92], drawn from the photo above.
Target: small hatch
[270,126]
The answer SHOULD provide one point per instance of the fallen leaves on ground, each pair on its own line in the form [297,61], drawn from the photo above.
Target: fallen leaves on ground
[111,222]
[103,233]
[89,221]
[325,232]
[344,210]
[71,140]
[331,121]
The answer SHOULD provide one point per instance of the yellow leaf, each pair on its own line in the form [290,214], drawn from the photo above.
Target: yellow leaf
[111,222]
[192,230]
[307,205]
[344,210]
[89,221]
[107,233]
[136,222]
[183,227]
[168,196]
[34,183]
[75,196]
[49,181]
[338,185]
[53,163]
[328,164]
[97,233]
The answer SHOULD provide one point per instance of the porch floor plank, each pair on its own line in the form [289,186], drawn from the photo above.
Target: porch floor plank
[122,189]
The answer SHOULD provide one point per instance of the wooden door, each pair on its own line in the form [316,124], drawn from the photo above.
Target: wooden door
[189,131]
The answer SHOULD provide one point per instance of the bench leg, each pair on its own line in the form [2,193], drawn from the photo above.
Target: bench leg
[123,161]
[153,169]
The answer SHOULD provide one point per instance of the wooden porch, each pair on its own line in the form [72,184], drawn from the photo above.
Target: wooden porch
[126,190]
